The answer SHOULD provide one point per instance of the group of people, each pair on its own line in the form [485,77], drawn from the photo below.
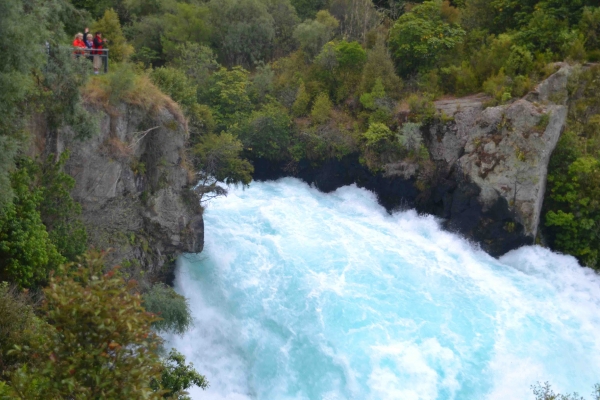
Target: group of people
[91,45]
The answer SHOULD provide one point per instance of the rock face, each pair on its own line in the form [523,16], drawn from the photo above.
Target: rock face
[490,167]
[497,159]
[134,187]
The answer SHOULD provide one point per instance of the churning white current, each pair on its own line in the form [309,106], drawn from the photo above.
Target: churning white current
[305,295]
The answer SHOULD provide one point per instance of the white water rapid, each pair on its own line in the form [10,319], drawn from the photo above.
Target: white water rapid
[305,295]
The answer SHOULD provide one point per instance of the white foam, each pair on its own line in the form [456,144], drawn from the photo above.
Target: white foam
[304,295]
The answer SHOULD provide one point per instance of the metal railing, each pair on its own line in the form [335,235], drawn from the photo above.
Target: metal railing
[98,57]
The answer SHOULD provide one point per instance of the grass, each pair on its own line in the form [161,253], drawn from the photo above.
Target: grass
[123,85]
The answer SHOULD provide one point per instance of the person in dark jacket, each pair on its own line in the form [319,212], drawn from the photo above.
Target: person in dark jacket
[98,55]
[89,45]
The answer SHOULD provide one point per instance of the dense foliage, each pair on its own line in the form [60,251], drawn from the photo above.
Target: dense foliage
[573,197]
[285,81]
[93,339]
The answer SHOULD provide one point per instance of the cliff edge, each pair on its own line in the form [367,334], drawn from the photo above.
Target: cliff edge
[134,185]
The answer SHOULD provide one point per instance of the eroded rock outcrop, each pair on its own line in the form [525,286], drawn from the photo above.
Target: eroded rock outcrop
[133,183]
[497,159]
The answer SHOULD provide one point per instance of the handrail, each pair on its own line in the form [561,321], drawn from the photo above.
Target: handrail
[90,53]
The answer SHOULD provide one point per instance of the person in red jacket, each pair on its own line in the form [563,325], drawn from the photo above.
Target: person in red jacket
[78,43]
[98,45]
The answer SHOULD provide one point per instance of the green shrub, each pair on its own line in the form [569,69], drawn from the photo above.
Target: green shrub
[300,106]
[421,107]
[498,87]
[459,80]
[172,309]
[27,254]
[368,100]
[176,377]
[422,36]
[111,30]
[321,109]
[176,84]
[98,343]
[379,65]
[266,132]
[377,135]
[519,62]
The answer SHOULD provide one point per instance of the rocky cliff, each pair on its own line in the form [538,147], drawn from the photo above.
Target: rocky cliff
[490,166]
[494,162]
[134,186]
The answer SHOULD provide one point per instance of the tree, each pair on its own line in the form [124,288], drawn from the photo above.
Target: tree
[300,106]
[590,27]
[379,65]
[146,36]
[266,132]
[243,31]
[59,212]
[197,62]
[20,28]
[111,30]
[218,159]
[351,58]
[308,8]
[176,83]
[321,109]
[176,377]
[409,136]
[285,20]
[27,254]
[420,37]
[357,17]
[369,100]
[18,326]
[228,95]
[187,24]
[545,392]
[312,35]
[100,344]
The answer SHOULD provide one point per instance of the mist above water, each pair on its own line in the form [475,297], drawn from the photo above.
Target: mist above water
[305,295]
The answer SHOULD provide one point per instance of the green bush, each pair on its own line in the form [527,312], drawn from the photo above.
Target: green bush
[98,343]
[379,65]
[266,132]
[421,107]
[176,377]
[459,80]
[422,36]
[300,106]
[321,109]
[377,135]
[27,254]
[172,309]
[217,158]
[175,83]
[111,30]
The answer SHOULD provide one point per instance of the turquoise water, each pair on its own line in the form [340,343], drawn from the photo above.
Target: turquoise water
[305,295]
